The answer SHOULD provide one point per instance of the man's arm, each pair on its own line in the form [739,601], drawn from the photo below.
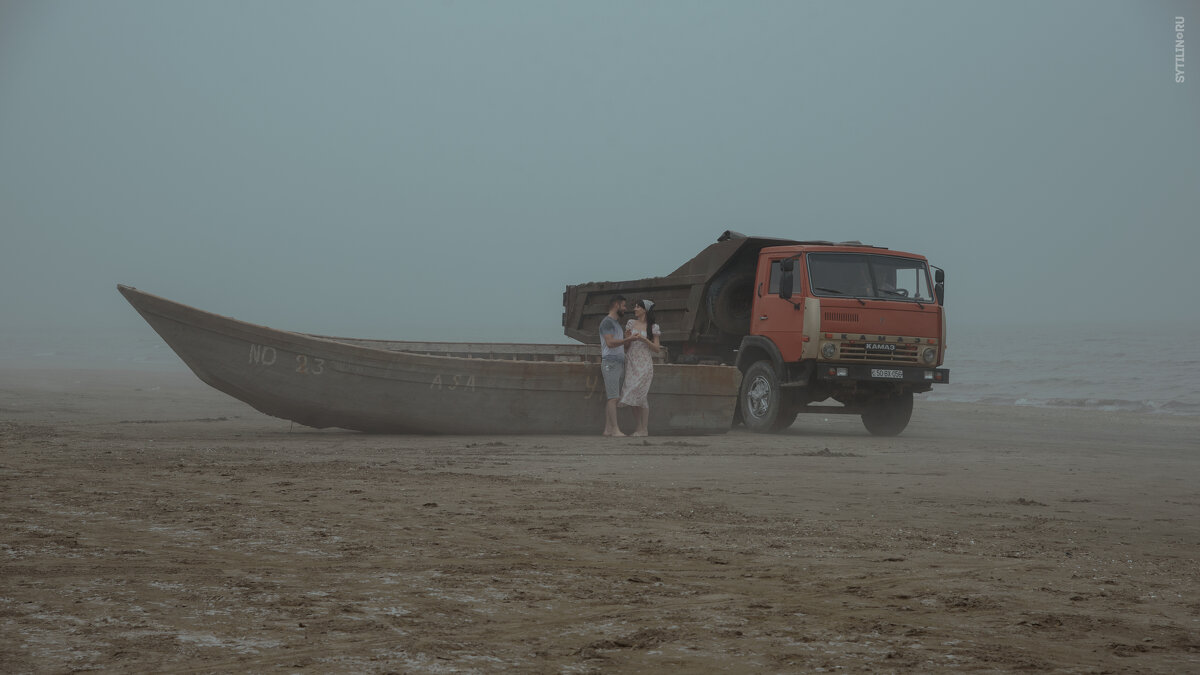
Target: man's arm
[613,342]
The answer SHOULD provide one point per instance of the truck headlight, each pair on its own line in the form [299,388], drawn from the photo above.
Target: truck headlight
[929,355]
[829,350]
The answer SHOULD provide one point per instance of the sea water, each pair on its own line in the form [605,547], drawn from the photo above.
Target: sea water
[1151,370]
[133,347]
[1154,369]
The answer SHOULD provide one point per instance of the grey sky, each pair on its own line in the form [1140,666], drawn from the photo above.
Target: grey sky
[441,170]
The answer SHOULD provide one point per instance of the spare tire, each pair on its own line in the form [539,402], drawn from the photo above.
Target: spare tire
[731,302]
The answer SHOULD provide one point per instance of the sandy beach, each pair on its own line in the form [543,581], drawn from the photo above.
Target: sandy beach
[149,523]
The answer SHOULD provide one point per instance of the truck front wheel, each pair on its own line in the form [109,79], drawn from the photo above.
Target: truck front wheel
[762,402]
[889,416]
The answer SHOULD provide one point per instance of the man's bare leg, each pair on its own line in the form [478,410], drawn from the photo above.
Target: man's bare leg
[611,427]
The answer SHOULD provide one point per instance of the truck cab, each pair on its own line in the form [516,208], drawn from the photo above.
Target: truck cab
[858,324]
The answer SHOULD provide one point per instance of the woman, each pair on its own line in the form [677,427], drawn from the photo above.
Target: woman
[639,363]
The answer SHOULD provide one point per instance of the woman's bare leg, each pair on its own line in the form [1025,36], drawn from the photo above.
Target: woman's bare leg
[643,421]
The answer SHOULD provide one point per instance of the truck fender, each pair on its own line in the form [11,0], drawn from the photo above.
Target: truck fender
[755,348]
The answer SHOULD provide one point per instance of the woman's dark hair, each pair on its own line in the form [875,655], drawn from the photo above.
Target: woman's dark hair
[649,319]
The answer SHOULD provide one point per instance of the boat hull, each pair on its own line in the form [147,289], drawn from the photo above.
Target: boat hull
[386,388]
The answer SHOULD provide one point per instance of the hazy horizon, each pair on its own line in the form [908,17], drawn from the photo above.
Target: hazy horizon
[441,170]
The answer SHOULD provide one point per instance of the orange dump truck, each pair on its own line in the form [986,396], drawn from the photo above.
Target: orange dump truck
[804,321]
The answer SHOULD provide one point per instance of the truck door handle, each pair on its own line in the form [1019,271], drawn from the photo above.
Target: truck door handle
[763,317]
[760,289]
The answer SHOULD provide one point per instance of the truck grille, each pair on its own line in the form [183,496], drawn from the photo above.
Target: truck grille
[843,317]
[905,353]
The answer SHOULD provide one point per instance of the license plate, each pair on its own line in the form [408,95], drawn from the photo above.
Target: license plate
[889,374]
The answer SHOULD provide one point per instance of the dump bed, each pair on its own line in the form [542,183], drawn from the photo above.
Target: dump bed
[706,300]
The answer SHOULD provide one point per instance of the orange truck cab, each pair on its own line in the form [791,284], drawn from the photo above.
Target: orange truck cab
[861,325]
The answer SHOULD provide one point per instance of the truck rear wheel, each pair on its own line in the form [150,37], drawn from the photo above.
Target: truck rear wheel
[761,401]
[889,416]
[731,302]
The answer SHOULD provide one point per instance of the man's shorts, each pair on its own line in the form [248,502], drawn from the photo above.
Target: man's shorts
[614,372]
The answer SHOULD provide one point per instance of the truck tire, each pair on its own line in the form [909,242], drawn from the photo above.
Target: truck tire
[761,401]
[888,417]
[787,417]
[731,302]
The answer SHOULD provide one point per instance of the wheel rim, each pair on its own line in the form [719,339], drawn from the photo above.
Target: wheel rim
[758,396]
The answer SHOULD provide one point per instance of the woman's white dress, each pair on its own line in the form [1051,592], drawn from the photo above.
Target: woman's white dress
[639,371]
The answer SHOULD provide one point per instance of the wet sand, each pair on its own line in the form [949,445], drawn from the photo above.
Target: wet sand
[148,523]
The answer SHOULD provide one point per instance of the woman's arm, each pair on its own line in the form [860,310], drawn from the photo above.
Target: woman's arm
[654,344]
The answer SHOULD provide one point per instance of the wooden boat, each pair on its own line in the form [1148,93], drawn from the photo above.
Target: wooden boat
[383,386]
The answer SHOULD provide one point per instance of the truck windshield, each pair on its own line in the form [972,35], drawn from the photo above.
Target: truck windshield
[858,275]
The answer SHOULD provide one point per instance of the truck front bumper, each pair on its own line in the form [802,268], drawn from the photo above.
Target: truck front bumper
[832,372]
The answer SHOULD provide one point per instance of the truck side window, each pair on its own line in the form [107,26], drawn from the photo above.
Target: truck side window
[773,281]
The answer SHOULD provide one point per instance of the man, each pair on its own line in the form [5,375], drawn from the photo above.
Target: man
[612,361]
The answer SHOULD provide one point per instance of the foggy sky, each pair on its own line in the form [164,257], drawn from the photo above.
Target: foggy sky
[441,170]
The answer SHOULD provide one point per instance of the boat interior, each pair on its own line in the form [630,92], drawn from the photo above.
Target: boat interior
[510,351]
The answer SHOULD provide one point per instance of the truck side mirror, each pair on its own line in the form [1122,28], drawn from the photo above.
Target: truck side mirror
[939,288]
[786,278]
[939,275]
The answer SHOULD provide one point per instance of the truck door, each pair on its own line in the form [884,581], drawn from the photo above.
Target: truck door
[774,318]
